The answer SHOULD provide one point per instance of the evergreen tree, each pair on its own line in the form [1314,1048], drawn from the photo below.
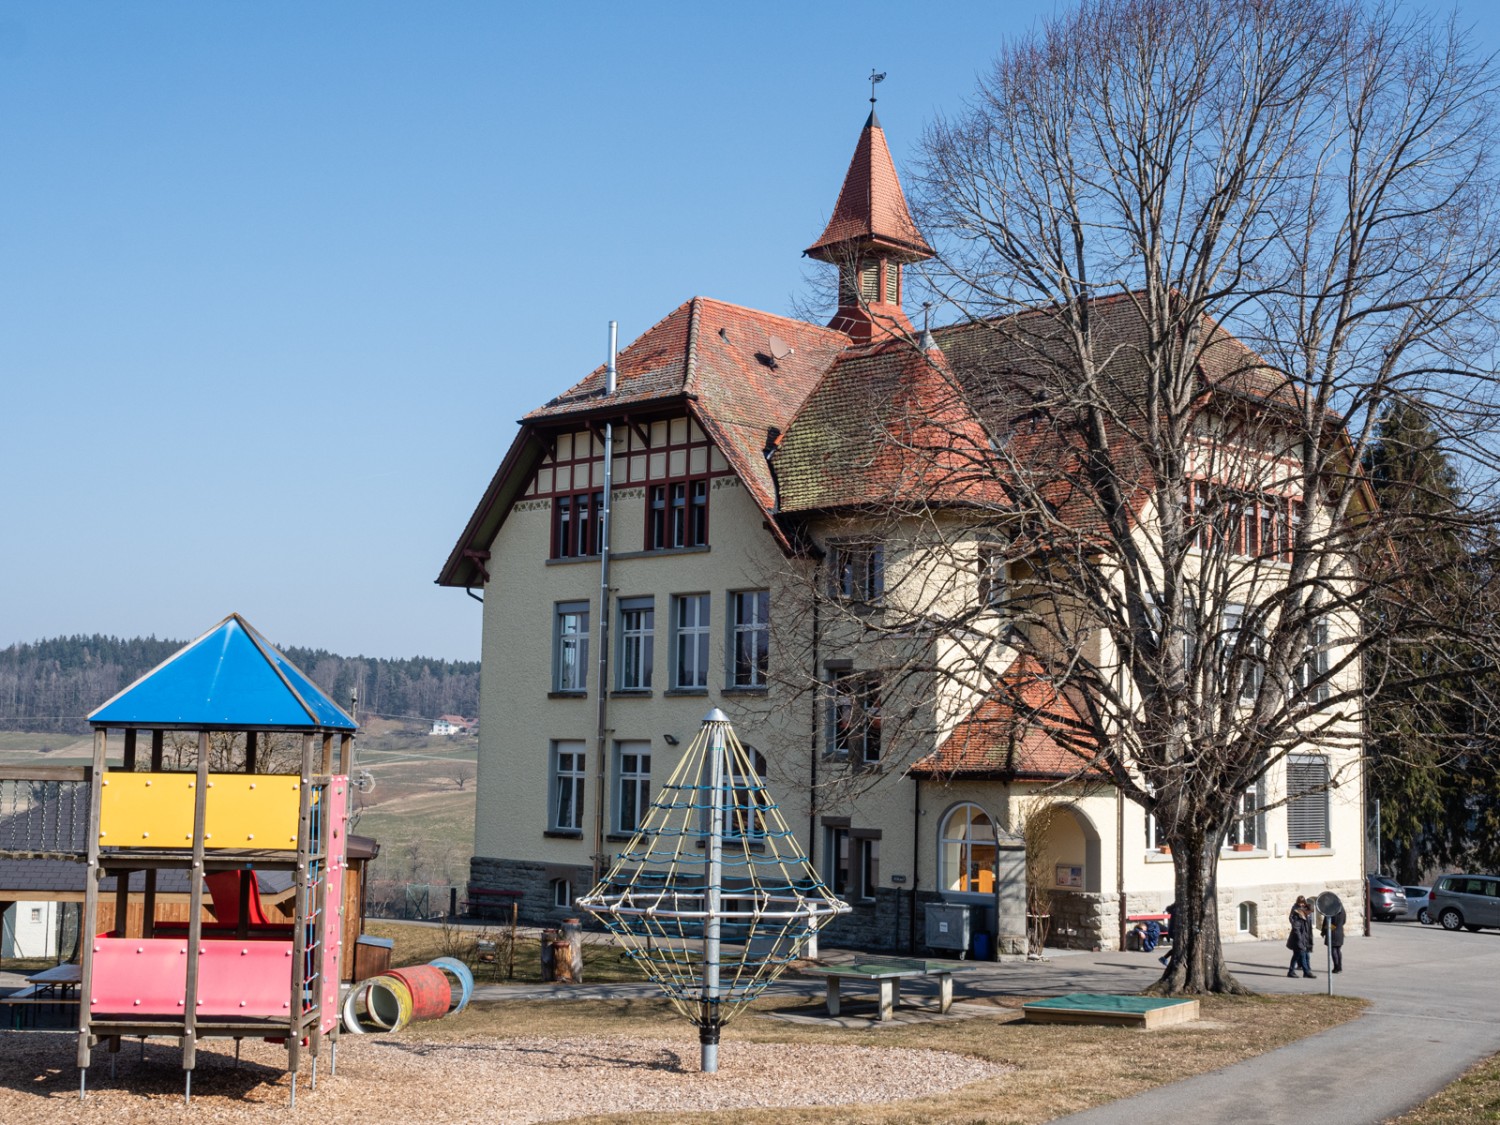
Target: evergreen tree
[1432,758]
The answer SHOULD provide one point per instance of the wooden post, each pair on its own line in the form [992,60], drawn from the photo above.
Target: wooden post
[157,739]
[195,908]
[252,750]
[346,742]
[148,905]
[246,889]
[122,903]
[129,763]
[327,765]
[88,924]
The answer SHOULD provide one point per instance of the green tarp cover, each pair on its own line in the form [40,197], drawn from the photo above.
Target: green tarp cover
[1104,1002]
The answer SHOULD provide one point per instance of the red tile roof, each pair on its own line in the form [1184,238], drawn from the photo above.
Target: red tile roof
[889,423]
[1025,729]
[710,359]
[871,206]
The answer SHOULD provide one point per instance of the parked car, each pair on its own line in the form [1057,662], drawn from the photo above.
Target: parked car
[1470,901]
[1387,898]
[1416,905]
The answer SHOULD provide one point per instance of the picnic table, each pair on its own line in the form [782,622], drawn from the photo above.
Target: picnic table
[887,974]
[47,986]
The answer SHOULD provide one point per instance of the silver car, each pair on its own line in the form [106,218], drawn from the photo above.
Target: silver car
[1416,905]
[1467,901]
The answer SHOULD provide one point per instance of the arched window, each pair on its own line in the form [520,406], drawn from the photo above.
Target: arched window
[966,851]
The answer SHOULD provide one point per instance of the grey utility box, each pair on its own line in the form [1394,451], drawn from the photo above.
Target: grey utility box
[948,926]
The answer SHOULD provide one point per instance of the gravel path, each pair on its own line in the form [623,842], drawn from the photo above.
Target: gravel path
[508,1080]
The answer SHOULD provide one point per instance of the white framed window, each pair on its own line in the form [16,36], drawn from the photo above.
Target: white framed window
[855,717]
[562,894]
[967,851]
[1247,829]
[569,772]
[857,571]
[994,569]
[690,630]
[744,800]
[632,784]
[1246,918]
[750,638]
[1312,672]
[1307,800]
[637,643]
[570,661]
[867,866]
[1241,655]
[836,850]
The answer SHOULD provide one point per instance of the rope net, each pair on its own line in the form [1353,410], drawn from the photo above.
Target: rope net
[713,897]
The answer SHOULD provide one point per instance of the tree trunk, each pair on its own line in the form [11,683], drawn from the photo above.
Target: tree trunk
[1196,963]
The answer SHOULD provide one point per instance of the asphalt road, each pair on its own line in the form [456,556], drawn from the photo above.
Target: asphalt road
[1433,1014]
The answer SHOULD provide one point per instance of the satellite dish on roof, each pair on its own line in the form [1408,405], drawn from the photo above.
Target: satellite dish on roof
[780,349]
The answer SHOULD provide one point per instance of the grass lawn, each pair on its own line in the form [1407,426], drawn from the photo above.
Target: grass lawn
[1474,1097]
[419,944]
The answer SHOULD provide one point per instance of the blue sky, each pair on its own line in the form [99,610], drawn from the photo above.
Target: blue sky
[277,279]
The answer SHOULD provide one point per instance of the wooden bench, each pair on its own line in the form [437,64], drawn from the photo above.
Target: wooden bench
[887,974]
[31,995]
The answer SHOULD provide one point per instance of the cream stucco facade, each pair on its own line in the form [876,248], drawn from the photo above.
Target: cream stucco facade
[541,740]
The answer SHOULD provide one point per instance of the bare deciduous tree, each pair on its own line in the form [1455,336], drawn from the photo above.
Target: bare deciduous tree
[1201,248]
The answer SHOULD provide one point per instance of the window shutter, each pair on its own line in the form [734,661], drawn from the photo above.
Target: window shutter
[1307,809]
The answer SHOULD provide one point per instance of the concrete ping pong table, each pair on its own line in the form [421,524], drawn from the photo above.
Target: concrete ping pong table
[887,973]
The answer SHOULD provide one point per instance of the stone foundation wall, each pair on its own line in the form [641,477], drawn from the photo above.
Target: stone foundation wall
[1079,920]
[1088,921]
[534,881]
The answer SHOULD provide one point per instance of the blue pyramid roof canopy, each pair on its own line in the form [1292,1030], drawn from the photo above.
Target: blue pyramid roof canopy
[229,678]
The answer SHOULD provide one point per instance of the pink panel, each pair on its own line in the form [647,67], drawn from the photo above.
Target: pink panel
[245,978]
[139,976]
[338,819]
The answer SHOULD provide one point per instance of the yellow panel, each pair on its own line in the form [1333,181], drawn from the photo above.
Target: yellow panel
[155,810]
[146,810]
[252,811]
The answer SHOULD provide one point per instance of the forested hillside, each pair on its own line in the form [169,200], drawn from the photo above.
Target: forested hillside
[52,685]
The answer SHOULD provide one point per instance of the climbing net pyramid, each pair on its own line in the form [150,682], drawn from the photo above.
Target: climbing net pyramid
[713,896]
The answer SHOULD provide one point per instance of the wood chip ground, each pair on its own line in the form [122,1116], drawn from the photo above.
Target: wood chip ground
[406,1079]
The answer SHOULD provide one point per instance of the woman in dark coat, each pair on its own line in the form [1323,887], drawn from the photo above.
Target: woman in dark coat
[1300,940]
[1333,937]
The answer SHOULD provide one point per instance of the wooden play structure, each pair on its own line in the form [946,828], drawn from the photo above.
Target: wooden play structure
[223,762]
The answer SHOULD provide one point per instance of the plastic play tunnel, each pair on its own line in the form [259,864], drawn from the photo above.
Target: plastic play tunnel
[418,992]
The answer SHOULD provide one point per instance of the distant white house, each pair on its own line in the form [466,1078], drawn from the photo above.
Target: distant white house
[451,724]
[29,929]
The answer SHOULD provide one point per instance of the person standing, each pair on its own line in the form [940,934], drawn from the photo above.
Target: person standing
[1171,932]
[1333,937]
[1300,940]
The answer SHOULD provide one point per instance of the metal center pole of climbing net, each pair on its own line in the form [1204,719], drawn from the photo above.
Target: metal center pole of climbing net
[713,875]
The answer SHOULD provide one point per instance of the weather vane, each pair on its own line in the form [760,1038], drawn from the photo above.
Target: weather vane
[875,79]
